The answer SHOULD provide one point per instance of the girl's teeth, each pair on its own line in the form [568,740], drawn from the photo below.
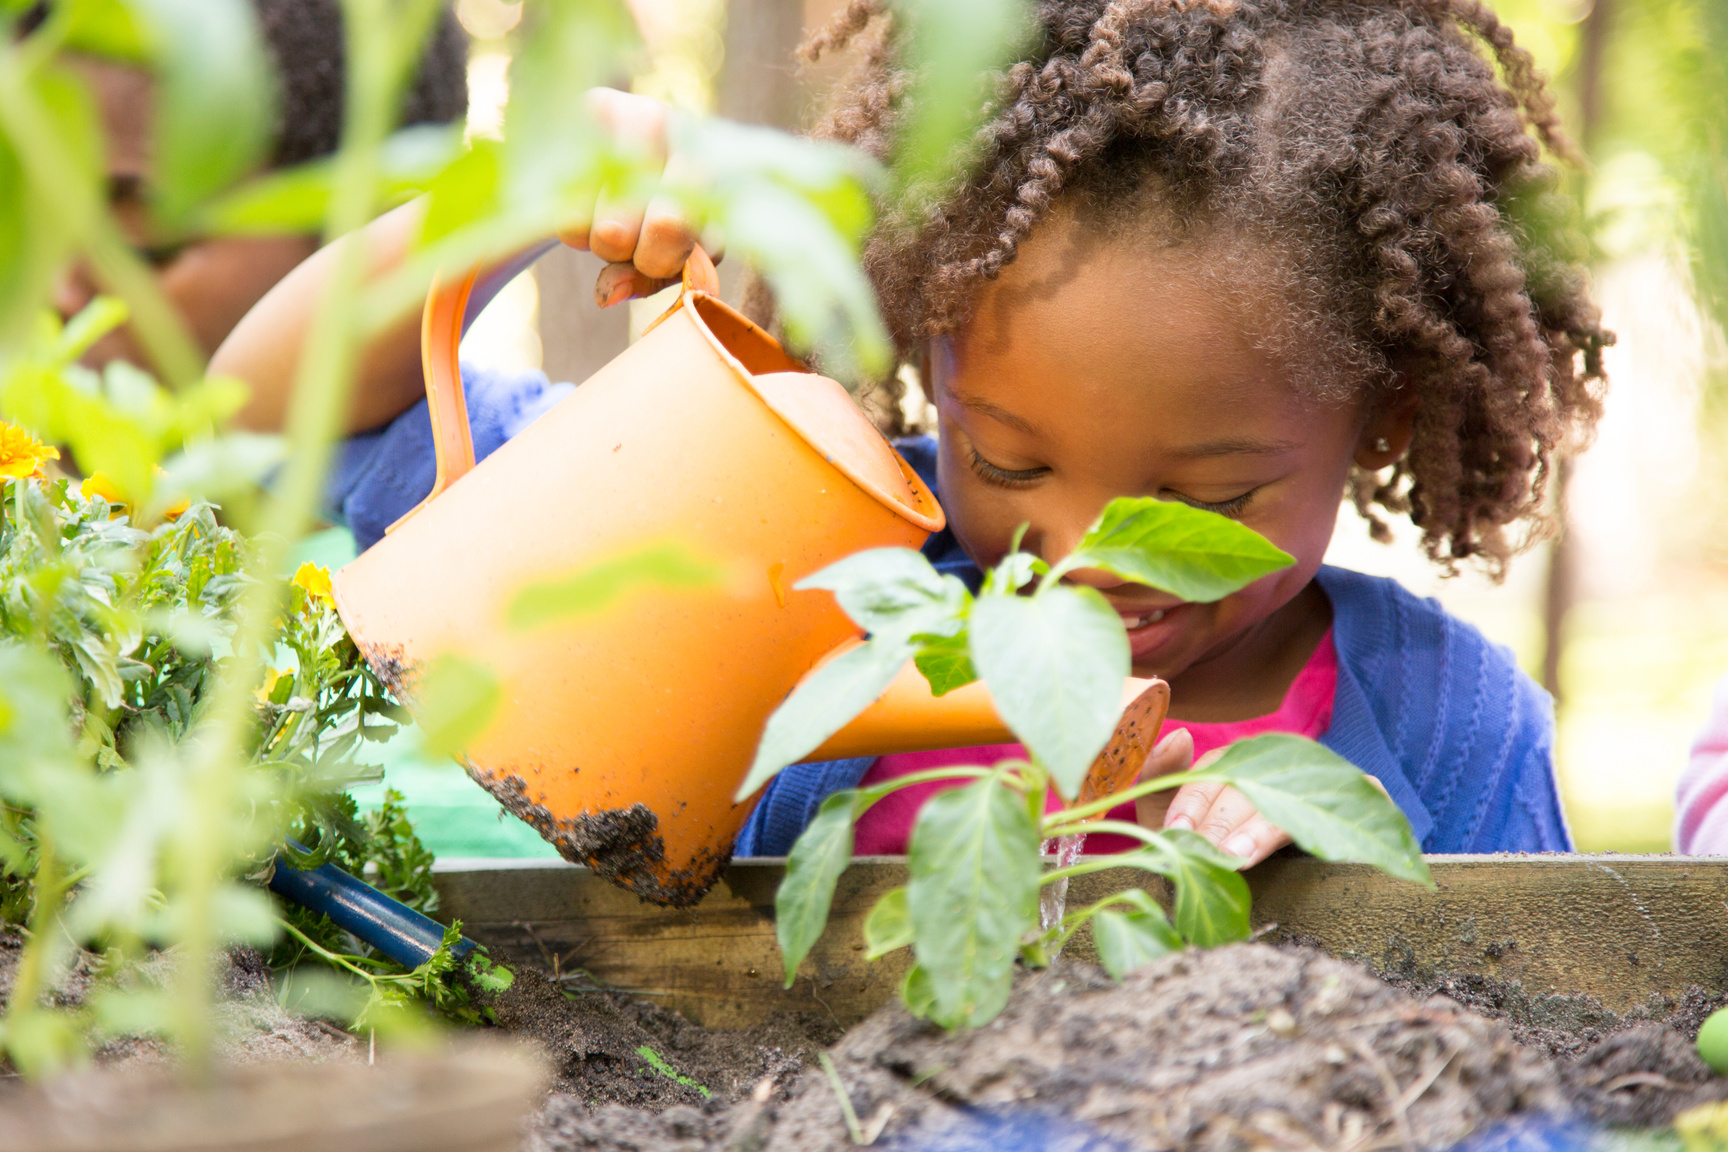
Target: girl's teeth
[1149,618]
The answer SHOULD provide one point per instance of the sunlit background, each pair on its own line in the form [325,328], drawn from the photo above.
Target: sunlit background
[1643,631]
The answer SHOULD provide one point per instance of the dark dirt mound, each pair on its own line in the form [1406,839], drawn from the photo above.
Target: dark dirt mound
[1246,1045]
[608,1047]
[1637,1069]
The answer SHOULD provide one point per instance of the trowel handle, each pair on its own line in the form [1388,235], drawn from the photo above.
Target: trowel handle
[441,324]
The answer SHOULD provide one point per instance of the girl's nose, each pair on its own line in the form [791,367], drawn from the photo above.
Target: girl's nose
[1095,578]
[1055,544]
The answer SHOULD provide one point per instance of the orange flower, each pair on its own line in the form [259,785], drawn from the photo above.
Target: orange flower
[315,581]
[21,454]
[100,484]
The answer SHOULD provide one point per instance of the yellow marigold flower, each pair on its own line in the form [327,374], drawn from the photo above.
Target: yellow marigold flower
[100,484]
[262,692]
[173,510]
[316,582]
[21,454]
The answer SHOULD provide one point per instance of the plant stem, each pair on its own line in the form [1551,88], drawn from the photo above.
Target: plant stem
[1144,788]
[31,976]
[382,38]
[847,1112]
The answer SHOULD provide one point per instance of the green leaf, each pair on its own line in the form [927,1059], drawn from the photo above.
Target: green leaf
[1187,552]
[1055,663]
[972,894]
[946,662]
[954,47]
[893,592]
[889,925]
[1327,805]
[1211,897]
[105,28]
[455,702]
[215,98]
[917,993]
[297,199]
[824,702]
[1130,940]
[813,867]
[464,192]
[597,586]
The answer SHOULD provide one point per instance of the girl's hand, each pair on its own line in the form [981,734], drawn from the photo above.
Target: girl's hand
[645,240]
[1216,811]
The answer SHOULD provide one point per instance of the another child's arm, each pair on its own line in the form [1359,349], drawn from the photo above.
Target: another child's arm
[646,244]
[1701,817]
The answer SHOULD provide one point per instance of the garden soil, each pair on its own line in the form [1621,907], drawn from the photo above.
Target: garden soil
[1253,1045]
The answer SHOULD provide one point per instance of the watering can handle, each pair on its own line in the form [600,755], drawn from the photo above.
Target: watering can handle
[441,325]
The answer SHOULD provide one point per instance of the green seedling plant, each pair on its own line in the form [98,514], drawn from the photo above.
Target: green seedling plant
[1054,656]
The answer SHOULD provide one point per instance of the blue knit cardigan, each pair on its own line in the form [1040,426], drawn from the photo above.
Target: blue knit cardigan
[1459,735]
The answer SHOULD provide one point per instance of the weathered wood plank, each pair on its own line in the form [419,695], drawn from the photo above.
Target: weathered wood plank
[1621,929]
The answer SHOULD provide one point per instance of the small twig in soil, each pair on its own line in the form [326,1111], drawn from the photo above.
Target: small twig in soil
[1643,1080]
[1443,1060]
[846,1110]
[1394,1094]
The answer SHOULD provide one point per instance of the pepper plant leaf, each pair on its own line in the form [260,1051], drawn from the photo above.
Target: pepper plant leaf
[822,704]
[889,924]
[1328,806]
[1187,552]
[972,894]
[820,854]
[1211,896]
[894,592]
[1055,663]
[945,662]
[1132,939]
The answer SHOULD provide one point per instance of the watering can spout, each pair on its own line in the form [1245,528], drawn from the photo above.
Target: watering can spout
[908,717]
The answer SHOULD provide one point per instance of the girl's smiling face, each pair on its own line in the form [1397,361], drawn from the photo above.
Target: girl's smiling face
[1094,368]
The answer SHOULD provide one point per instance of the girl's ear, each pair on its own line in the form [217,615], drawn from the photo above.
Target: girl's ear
[1386,437]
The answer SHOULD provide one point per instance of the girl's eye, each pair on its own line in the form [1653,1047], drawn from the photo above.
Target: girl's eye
[1231,508]
[1004,477]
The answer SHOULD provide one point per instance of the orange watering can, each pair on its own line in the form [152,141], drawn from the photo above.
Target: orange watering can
[622,735]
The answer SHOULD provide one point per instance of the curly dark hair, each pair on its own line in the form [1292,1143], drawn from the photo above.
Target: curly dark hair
[1369,145]
[305,38]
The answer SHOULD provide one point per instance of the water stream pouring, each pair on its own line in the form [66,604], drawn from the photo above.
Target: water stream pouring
[622,735]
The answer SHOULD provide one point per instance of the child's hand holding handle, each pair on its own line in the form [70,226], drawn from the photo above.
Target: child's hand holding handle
[644,241]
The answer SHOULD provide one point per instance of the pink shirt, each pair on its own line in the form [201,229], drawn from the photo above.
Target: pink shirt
[885,828]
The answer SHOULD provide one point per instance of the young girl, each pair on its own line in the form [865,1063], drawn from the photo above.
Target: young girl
[1249,256]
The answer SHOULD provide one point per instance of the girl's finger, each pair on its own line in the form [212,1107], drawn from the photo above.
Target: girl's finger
[1228,812]
[620,282]
[617,227]
[1255,840]
[637,124]
[668,233]
[1192,803]
[1173,753]
[665,241]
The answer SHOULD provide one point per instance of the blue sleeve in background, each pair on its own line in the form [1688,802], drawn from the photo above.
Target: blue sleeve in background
[378,476]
